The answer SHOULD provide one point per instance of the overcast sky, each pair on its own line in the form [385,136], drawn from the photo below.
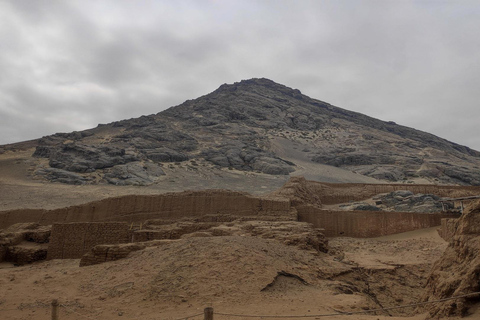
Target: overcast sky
[69,65]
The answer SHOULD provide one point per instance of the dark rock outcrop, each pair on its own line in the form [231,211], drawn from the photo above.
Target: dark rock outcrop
[87,158]
[133,173]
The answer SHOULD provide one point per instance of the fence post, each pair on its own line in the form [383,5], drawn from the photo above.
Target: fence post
[208,312]
[55,309]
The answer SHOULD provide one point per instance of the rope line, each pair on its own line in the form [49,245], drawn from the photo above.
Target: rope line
[71,310]
[302,316]
[350,313]
[15,309]
[190,317]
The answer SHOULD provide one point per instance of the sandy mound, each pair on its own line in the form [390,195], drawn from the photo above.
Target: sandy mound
[184,275]
[242,275]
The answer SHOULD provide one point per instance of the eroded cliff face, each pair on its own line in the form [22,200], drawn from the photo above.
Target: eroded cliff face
[457,272]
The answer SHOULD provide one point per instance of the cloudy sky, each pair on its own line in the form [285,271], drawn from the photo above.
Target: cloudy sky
[69,65]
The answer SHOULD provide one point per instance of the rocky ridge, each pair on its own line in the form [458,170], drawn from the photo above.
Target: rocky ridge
[255,126]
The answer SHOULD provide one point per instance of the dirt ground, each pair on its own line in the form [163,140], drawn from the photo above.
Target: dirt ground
[235,275]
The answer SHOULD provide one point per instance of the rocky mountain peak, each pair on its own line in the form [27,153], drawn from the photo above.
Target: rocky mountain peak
[257,84]
[256,126]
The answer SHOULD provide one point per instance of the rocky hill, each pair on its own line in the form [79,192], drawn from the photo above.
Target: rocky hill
[255,126]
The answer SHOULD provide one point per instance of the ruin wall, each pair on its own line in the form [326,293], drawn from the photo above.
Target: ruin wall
[73,240]
[367,224]
[138,208]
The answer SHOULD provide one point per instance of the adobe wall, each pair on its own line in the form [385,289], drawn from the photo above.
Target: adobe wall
[367,224]
[138,208]
[73,240]
[11,217]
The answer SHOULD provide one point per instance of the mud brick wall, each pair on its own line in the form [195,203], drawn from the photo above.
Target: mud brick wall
[73,240]
[447,229]
[148,235]
[138,208]
[367,224]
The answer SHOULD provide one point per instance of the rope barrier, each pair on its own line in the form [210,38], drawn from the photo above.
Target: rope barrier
[299,316]
[350,313]
[15,309]
[190,317]
[71,310]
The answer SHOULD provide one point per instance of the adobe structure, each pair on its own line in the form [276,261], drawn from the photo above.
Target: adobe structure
[298,205]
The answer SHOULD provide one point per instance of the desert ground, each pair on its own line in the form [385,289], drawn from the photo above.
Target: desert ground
[236,275]
[180,279]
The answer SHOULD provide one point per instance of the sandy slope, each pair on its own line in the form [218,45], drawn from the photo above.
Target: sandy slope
[228,273]
[19,190]
[290,150]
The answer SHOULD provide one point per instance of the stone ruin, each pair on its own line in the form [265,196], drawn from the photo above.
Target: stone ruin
[24,243]
[109,229]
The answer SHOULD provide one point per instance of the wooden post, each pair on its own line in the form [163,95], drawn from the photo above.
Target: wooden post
[208,312]
[54,309]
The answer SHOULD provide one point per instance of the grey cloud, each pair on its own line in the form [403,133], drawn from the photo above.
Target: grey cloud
[71,65]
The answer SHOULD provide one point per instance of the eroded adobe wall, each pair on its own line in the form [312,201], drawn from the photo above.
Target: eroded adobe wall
[73,240]
[367,224]
[137,208]
[105,253]
[11,217]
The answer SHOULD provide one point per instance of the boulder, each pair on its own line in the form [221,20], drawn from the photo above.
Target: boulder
[133,173]
[242,157]
[165,155]
[86,158]
[63,176]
